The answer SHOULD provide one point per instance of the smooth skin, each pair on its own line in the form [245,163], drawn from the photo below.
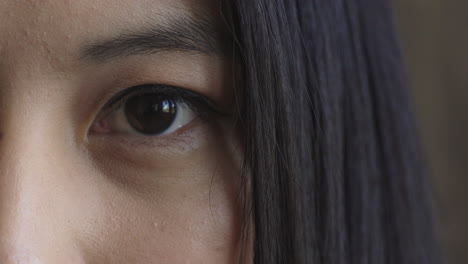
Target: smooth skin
[72,192]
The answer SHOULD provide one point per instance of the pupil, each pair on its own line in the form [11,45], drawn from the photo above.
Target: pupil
[150,114]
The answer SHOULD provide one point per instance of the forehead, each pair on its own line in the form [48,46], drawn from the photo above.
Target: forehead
[51,31]
[39,13]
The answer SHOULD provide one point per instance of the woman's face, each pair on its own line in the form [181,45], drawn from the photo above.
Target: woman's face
[117,134]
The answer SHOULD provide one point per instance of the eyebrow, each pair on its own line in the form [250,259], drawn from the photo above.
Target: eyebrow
[198,34]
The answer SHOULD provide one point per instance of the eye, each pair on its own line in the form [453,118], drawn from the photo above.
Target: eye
[151,110]
[153,114]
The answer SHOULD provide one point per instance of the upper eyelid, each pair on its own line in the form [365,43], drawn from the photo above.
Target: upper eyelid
[165,90]
[193,99]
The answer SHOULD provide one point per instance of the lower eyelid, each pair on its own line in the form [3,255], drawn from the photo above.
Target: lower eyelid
[147,153]
[182,136]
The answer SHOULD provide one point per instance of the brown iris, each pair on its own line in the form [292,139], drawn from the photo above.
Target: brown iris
[150,114]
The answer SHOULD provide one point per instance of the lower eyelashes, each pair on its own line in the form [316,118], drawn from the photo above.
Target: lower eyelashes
[151,111]
[147,114]
[152,153]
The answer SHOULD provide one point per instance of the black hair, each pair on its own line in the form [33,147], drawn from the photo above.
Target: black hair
[334,165]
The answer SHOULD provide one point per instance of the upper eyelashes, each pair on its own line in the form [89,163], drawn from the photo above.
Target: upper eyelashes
[152,110]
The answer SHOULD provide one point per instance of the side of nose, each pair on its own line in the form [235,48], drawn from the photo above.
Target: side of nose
[33,197]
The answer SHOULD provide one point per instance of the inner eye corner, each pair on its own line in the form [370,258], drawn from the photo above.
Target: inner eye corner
[152,110]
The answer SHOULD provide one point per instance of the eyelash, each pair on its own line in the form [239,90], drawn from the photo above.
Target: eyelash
[201,105]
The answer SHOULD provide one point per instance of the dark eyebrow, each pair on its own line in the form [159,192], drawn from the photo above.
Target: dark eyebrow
[178,33]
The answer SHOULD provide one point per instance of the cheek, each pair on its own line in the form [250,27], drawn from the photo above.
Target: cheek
[188,212]
[199,228]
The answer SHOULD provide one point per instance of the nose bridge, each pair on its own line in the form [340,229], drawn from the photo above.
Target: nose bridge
[29,212]
[23,177]
[23,196]
[21,216]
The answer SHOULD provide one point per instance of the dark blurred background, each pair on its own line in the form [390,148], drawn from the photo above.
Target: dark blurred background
[434,38]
